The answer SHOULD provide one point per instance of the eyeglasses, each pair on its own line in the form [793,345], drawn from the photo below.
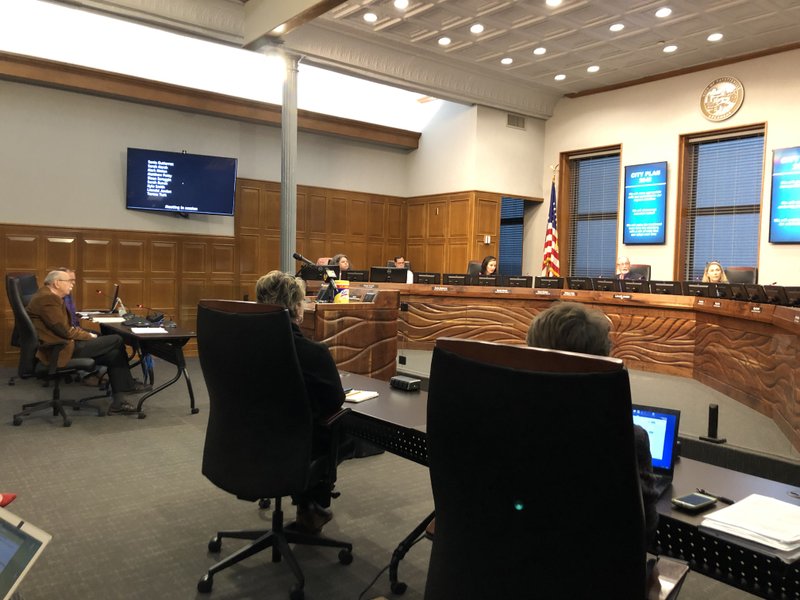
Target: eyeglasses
[68,280]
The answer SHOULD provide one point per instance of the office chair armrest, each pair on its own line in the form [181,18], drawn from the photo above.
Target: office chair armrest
[333,419]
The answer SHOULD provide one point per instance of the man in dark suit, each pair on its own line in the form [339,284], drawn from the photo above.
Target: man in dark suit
[52,321]
[323,386]
[624,269]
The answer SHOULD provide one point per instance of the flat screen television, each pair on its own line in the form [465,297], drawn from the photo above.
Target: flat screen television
[579,283]
[605,284]
[455,279]
[180,183]
[356,275]
[428,278]
[696,288]
[318,272]
[388,275]
[635,286]
[776,294]
[671,288]
[784,208]
[553,283]
[645,204]
[755,293]
[523,281]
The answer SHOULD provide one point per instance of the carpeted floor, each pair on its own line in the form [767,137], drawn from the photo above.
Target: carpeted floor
[131,514]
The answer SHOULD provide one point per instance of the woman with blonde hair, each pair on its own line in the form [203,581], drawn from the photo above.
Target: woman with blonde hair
[714,273]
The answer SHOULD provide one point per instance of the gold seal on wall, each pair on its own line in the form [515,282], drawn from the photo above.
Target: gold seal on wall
[722,98]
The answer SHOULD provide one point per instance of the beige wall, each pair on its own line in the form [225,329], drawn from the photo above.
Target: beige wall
[647,120]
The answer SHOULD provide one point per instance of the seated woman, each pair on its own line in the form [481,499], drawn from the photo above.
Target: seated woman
[714,273]
[489,266]
[341,261]
[323,384]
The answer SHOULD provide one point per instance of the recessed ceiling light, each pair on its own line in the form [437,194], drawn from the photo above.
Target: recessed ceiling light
[617,27]
[476,28]
[560,77]
[539,51]
[669,49]
[401,4]
[370,17]
[714,37]
[593,69]
[506,61]
[663,12]
[279,29]
[553,2]
[444,41]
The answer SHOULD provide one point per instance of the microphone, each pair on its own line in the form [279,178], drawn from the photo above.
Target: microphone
[117,302]
[152,315]
[301,258]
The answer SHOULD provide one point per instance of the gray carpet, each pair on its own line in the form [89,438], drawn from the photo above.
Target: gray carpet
[131,514]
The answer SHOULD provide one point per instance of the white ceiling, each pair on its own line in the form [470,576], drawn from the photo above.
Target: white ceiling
[402,47]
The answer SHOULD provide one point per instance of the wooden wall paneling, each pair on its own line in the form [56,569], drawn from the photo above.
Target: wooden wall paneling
[458,256]
[163,255]
[395,220]
[223,258]
[416,220]
[460,217]
[356,251]
[193,289]
[249,252]
[436,258]
[132,292]
[270,213]
[358,216]
[194,258]
[337,217]
[437,219]
[487,214]
[164,296]
[97,254]
[22,252]
[248,203]
[317,209]
[94,292]
[270,253]
[131,255]
[416,253]
[60,251]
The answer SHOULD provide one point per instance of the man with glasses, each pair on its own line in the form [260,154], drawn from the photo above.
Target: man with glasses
[52,321]
[624,269]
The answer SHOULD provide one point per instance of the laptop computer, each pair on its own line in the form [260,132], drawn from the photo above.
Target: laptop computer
[103,311]
[21,544]
[661,425]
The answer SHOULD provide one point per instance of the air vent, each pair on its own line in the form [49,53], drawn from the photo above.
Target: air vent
[515,121]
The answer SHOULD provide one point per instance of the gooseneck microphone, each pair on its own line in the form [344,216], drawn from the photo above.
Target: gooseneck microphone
[301,258]
[153,316]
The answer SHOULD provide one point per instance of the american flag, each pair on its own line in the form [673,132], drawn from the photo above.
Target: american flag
[550,265]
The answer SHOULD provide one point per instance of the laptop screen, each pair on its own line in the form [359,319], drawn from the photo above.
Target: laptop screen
[661,425]
[114,298]
[20,545]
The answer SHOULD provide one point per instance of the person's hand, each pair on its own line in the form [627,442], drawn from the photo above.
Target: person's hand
[94,335]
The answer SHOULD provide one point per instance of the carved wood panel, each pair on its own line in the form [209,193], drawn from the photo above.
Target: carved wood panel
[132,256]
[60,251]
[22,252]
[97,255]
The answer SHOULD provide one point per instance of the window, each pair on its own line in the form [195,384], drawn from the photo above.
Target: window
[722,200]
[593,201]
[511,211]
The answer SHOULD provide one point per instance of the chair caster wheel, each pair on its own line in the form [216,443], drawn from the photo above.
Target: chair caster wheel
[195,411]
[297,594]
[142,415]
[214,545]
[345,557]
[67,422]
[399,588]
[264,503]
[17,421]
[205,584]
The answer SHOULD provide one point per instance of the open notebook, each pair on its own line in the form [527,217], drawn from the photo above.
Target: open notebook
[661,425]
[20,545]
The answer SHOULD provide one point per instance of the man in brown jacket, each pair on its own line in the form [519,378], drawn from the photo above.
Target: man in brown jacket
[49,315]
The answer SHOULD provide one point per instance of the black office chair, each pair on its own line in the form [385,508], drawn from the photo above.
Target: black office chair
[741,274]
[474,267]
[28,287]
[534,475]
[643,271]
[390,263]
[29,366]
[258,440]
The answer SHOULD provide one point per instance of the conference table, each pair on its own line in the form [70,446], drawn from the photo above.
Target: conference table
[166,346]
[396,421]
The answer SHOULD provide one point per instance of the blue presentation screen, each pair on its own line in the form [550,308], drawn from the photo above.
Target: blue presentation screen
[645,204]
[784,215]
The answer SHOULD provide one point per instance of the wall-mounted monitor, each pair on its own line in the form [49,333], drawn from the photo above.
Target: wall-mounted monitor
[784,209]
[553,283]
[356,275]
[388,275]
[636,286]
[755,293]
[645,210]
[522,281]
[485,280]
[696,288]
[605,284]
[579,283]
[428,278]
[180,183]
[455,279]
[671,288]
[318,272]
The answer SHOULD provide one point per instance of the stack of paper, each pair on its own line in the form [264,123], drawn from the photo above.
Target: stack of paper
[763,524]
[359,395]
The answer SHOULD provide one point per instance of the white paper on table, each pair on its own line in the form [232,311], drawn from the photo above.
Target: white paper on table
[145,330]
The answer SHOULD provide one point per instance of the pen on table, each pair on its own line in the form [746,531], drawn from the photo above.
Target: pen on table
[722,499]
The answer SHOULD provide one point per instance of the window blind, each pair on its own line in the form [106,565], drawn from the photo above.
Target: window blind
[511,230]
[593,209]
[723,206]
